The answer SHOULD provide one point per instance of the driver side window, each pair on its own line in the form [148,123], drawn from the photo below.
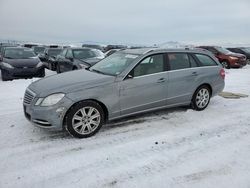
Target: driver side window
[150,65]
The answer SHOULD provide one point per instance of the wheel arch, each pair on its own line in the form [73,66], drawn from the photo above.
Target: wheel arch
[205,84]
[104,107]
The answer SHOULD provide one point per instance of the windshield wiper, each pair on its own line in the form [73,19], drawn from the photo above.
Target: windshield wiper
[100,72]
[8,57]
[84,62]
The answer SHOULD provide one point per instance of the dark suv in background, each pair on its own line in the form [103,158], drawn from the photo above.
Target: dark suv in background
[77,58]
[227,58]
[48,57]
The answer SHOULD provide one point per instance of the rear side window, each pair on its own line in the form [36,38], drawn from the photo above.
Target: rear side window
[178,61]
[205,60]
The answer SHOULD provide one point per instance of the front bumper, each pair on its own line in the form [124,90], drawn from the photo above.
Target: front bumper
[23,72]
[239,63]
[47,117]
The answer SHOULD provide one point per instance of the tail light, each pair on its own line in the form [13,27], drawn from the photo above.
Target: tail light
[222,73]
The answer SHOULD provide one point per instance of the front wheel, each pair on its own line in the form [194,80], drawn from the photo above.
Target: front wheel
[58,69]
[42,73]
[84,119]
[225,65]
[201,98]
[5,76]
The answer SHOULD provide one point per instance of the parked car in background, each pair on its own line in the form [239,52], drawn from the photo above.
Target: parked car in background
[48,57]
[29,45]
[226,58]
[77,58]
[242,50]
[3,45]
[38,49]
[126,83]
[109,47]
[19,62]
[95,46]
[110,52]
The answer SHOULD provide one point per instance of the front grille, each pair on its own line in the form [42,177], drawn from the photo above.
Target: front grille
[28,97]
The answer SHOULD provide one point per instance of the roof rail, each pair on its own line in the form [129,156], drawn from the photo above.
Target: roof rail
[150,50]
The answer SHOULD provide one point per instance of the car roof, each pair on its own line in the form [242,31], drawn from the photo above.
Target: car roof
[81,48]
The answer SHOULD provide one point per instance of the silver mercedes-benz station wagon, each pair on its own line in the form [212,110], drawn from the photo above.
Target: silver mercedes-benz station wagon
[128,82]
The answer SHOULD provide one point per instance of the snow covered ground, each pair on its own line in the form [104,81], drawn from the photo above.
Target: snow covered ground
[171,148]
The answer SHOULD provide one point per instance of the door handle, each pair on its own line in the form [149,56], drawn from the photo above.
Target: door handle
[161,80]
[194,74]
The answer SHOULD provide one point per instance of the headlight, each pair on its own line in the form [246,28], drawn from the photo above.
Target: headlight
[234,58]
[39,64]
[7,65]
[50,100]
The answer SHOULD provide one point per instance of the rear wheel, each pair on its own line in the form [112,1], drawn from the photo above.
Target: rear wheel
[201,98]
[84,119]
[225,64]
[42,74]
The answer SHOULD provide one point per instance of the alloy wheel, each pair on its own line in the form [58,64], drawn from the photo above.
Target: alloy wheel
[86,120]
[202,98]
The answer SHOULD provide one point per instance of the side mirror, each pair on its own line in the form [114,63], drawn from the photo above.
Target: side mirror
[129,76]
[1,58]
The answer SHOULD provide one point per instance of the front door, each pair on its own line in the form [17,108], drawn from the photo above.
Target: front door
[145,86]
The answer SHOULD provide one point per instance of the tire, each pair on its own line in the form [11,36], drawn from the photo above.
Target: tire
[201,98]
[75,68]
[42,74]
[80,124]
[5,76]
[225,64]
[53,66]
[58,69]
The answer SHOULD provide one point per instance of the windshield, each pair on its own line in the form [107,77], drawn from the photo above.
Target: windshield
[87,53]
[247,50]
[54,52]
[19,53]
[223,50]
[38,49]
[114,64]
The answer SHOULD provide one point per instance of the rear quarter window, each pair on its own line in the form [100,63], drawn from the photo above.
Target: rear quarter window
[205,60]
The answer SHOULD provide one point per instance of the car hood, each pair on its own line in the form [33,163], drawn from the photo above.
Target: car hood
[236,55]
[19,63]
[69,82]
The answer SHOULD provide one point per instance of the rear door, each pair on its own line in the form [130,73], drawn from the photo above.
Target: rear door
[184,74]
[145,86]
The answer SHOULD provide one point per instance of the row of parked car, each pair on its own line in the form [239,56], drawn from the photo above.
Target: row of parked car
[31,61]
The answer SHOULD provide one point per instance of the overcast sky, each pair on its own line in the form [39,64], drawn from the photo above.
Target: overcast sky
[126,21]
